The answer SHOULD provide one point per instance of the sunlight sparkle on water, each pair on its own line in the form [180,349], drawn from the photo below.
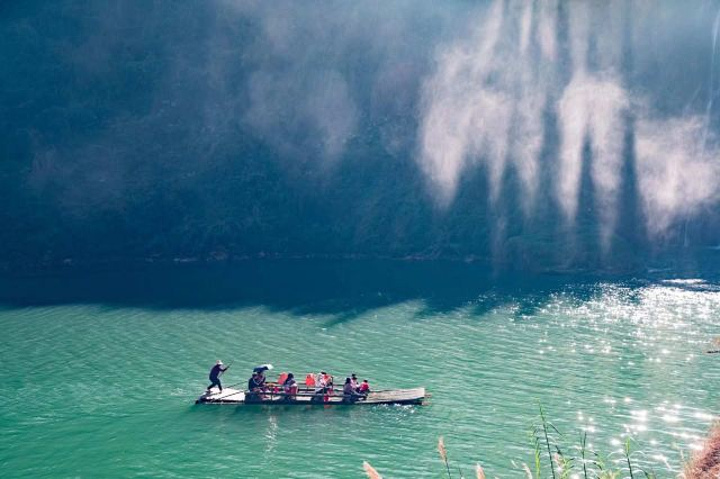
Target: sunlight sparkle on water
[598,372]
[641,415]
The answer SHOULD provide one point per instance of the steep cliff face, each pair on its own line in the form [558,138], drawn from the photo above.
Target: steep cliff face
[550,136]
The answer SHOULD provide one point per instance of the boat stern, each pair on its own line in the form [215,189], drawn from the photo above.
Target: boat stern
[227,396]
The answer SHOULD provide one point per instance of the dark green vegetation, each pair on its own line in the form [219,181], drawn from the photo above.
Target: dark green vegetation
[219,130]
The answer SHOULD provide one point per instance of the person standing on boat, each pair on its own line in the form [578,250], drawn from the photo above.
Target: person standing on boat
[215,373]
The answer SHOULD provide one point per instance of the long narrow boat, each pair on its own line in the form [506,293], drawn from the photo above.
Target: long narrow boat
[307,396]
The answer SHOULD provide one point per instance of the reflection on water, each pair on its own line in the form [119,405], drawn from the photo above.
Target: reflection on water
[613,360]
[655,333]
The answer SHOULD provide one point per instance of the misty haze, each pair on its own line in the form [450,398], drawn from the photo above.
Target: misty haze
[500,131]
[337,239]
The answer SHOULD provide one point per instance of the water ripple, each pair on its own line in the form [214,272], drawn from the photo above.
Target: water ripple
[117,384]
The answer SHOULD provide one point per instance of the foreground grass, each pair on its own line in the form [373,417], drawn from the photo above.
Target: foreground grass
[550,461]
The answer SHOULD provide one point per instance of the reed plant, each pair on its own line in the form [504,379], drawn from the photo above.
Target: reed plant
[551,461]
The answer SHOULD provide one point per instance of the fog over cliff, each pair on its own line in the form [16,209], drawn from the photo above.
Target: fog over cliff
[543,135]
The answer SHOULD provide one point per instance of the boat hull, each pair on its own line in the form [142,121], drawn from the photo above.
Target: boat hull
[306,397]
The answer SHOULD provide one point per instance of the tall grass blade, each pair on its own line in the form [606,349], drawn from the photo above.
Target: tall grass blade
[444,456]
[545,426]
[583,445]
[627,457]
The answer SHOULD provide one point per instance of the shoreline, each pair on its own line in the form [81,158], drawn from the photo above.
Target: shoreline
[705,463]
[56,265]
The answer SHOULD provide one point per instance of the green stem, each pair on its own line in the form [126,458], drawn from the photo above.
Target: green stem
[627,457]
[547,441]
[447,466]
[582,452]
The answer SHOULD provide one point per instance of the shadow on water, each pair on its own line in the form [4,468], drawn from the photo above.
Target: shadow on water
[343,289]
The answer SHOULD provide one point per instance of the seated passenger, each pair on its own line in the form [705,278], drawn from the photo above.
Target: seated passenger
[321,388]
[260,379]
[251,395]
[321,382]
[354,382]
[364,388]
[256,386]
[290,387]
[349,394]
[329,383]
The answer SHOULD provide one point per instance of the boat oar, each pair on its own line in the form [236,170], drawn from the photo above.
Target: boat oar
[713,351]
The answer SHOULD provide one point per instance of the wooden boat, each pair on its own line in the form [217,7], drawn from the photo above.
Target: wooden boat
[308,396]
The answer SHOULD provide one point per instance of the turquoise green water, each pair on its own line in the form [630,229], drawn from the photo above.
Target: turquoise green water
[101,383]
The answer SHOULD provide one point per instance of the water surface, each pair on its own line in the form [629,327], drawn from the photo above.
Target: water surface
[100,370]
